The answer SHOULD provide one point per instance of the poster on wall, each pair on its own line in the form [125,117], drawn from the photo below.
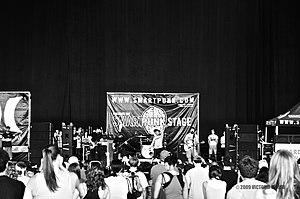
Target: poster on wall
[15,116]
[135,116]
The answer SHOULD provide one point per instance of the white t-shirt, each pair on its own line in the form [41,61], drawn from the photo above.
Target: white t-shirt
[213,139]
[118,187]
[248,189]
[157,142]
[194,179]
[216,189]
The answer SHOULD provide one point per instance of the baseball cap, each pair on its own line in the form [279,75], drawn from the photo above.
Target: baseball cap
[164,154]
[73,159]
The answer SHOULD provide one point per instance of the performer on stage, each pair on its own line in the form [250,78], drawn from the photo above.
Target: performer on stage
[78,142]
[222,142]
[157,142]
[57,139]
[94,149]
[8,136]
[190,143]
[212,142]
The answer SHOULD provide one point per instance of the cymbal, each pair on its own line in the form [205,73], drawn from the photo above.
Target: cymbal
[141,136]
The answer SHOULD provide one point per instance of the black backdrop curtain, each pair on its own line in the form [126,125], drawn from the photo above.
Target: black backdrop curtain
[241,56]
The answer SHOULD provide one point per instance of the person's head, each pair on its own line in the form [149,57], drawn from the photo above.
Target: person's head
[7,129]
[51,159]
[192,130]
[227,160]
[97,164]
[263,163]
[163,154]
[170,162]
[263,174]
[214,172]
[116,166]
[199,161]
[133,162]
[156,131]
[21,168]
[248,167]
[4,158]
[284,173]
[95,179]
[73,159]
[74,167]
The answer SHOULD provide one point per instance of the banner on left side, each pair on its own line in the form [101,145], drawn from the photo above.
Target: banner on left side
[15,112]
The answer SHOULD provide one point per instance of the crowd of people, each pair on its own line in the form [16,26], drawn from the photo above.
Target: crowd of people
[203,179]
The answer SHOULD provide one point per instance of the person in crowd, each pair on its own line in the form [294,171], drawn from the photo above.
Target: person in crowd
[195,178]
[9,188]
[21,170]
[284,177]
[11,170]
[74,159]
[263,174]
[54,181]
[190,144]
[229,175]
[212,143]
[157,142]
[97,188]
[174,182]
[75,167]
[116,181]
[133,170]
[249,188]
[157,169]
[214,188]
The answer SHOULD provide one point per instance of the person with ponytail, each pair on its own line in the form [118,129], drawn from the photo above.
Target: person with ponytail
[54,181]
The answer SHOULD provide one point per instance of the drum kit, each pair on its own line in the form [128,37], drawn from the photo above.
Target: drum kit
[141,144]
[147,150]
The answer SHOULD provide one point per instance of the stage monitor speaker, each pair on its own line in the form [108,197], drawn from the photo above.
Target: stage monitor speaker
[67,141]
[41,135]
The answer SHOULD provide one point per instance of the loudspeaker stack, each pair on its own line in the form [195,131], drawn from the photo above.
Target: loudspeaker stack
[41,134]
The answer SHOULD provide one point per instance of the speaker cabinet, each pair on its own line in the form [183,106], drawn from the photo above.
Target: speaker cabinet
[41,134]
[248,138]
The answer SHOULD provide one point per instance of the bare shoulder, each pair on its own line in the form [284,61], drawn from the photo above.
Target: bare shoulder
[73,175]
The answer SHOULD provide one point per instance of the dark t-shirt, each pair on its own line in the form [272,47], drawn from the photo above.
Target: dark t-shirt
[7,143]
[230,177]
[10,188]
[96,137]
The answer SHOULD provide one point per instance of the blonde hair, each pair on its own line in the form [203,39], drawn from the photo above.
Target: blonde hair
[284,174]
